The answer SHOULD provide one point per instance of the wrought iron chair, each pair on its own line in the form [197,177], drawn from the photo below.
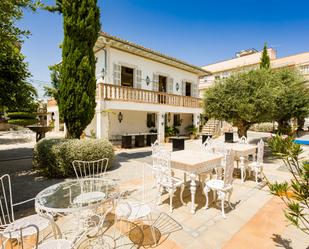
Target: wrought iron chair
[243,140]
[166,179]
[87,170]
[207,145]
[7,219]
[90,169]
[223,188]
[257,165]
[17,239]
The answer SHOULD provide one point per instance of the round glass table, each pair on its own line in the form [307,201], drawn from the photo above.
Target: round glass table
[75,195]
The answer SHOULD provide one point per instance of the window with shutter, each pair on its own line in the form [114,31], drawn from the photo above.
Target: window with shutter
[183,88]
[138,79]
[194,90]
[116,74]
[170,87]
[155,82]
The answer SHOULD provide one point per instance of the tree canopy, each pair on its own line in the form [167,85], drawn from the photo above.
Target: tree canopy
[15,92]
[292,99]
[76,94]
[242,99]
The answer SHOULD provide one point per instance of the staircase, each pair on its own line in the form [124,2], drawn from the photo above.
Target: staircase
[212,127]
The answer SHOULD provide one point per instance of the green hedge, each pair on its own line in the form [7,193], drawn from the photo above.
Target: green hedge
[22,122]
[54,157]
[21,115]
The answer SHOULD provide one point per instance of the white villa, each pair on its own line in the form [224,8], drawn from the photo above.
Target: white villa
[139,90]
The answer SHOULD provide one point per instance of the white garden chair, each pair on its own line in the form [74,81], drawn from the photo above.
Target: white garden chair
[16,239]
[207,145]
[223,188]
[7,219]
[156,147]
[90,169]
[257,165]
[87,170]
[243,140]
[166,179]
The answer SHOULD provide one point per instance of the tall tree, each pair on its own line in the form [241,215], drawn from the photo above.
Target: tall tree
[292,99]
[242,99]
[81,27]
[265,60]
[55,76]
[15,92]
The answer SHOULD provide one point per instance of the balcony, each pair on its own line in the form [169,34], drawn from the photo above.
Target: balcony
[120,93]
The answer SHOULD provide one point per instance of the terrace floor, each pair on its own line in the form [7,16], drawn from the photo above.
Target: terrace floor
[257,220]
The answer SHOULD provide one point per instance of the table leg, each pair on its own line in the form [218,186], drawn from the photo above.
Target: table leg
[242,168]
[193,191]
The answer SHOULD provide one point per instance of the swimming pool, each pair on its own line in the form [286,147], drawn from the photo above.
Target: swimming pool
[299,141]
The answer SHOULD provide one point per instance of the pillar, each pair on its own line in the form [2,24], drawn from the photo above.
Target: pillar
[161,126]
[196,119]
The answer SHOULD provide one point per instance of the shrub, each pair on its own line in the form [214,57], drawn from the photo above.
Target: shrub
[21,115]
[54,157]
[22,122]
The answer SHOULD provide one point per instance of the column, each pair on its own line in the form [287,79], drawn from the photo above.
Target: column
[102,122]
[160,126]
[196,119]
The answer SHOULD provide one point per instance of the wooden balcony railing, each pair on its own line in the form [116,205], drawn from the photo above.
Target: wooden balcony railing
[121,93]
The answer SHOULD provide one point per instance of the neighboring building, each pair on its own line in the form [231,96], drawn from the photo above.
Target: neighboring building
[139,89]
[250,59]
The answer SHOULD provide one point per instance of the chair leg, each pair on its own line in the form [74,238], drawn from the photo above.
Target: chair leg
[229,199]
[207,200]
[160,191]
[182,188]
[256,174]
[222,207]
[171,193]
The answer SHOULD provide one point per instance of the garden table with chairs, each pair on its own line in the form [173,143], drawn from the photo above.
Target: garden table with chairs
[194,163]
[81,199]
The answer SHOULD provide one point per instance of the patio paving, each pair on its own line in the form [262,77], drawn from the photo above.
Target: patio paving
[257,220]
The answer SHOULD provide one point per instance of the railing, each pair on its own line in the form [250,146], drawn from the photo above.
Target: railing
[121,93]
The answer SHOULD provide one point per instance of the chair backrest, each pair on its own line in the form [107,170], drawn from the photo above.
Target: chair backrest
[6,201]
[166,224]
[90,169]
[243,140]
[164,160]
[228,168]
[207,145]
[260,152]
[8,239]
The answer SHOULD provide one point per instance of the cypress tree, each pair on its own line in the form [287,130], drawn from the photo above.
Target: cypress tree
[265,60]
[81,25]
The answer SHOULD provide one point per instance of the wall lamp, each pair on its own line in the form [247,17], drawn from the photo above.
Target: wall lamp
[120,117]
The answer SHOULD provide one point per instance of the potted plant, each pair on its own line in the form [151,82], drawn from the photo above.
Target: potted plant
[169,131]
[192,130]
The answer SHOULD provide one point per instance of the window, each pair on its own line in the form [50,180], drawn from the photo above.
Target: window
[151,120]
[162,83]
[177,121]
[188,89]
[217,77]
[126,76]
[304,69]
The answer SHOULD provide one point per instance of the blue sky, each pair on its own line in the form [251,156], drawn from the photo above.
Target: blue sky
[199,32]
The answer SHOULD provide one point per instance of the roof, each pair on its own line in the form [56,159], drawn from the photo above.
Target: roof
[237,62]
[136,49]
[254,59]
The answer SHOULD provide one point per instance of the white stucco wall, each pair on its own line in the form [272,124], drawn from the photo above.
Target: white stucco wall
[148,68]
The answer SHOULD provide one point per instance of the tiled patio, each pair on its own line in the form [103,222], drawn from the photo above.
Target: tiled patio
[257,220]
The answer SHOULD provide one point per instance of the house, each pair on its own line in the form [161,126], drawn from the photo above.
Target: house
[250,59]
[139,89]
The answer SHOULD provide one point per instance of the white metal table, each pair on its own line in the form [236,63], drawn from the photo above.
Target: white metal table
[194,163]
[75,197]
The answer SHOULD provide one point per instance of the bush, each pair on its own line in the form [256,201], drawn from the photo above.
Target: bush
[21,115]
[22,122]
[54,157]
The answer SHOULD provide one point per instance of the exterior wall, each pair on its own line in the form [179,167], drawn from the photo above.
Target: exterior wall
[148,68]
